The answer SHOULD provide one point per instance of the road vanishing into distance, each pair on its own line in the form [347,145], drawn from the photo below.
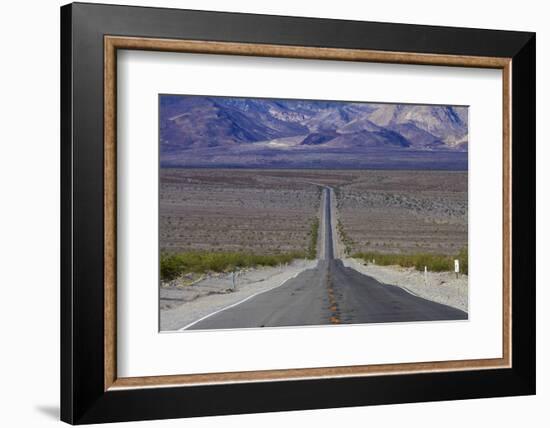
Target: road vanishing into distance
[330,293]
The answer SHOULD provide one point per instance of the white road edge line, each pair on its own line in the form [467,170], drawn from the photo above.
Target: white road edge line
[239,302]
[412,292]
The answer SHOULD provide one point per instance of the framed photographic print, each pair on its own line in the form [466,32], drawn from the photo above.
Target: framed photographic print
[271,213]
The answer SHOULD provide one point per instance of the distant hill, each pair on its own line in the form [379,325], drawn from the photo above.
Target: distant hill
[197,131]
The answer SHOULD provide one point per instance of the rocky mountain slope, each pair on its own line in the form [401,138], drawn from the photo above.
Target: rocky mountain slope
[197,131]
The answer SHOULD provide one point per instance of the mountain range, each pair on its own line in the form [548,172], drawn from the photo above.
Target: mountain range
[202,131]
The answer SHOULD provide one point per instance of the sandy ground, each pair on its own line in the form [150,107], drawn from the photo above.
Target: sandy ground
[441,287]
[405,212]
[264,212]
[181,305]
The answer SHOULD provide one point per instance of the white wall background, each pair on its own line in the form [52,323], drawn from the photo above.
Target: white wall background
[29,215]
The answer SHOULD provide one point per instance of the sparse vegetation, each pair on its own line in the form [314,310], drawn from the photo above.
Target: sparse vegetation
[463,260]
[338,194]
[313,237]
[405,211]
[174,265]
[434,262]
[344,238]
[246,211]
[265,212]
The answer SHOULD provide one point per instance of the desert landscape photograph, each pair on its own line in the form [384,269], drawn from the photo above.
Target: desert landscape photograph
[292,213]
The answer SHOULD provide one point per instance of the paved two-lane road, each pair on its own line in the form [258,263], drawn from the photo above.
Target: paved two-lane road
[329,294]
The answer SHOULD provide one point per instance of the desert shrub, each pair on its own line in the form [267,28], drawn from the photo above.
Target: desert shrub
[434,262]
[174,265]
[463,260]
[344,237]
[313,237]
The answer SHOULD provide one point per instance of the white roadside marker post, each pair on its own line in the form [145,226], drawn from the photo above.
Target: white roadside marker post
[234,283]
[457,268]
[426,275]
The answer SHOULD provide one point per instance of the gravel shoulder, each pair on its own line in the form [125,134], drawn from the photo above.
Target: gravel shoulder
[442,287]
[182,304]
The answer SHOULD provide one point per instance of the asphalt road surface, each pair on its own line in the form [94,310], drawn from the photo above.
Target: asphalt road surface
[329,294]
